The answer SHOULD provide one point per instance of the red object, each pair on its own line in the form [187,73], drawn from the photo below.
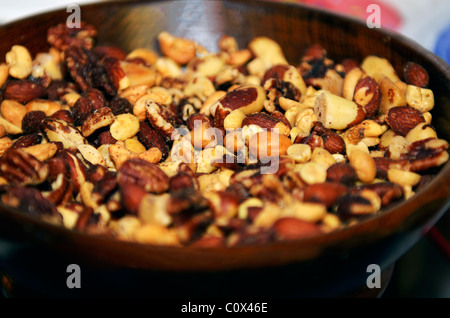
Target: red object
[389,16]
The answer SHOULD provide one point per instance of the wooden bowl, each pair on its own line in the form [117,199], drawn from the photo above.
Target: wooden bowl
[329,264]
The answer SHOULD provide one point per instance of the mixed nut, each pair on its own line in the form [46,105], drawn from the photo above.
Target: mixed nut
[199,148]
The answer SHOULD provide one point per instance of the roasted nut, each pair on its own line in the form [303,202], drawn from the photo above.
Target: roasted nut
[13,112]
[331,140]
[357,205]
[341,172]
[4,73]
[124,126]
[267,50]
[323,157]
[367,94]
[62,35]
[420,132]
[5,144]
[19,61]
[415,75]
[101,118]
[267,144]
[363,164]
[148,55]
[144,174]
[327,193]
[42,152]
[115,74]
[44,65]
[391,95]
[248,98]
[151,139]
[91,155]
[426,154]
[167,67]
[301,153]
[312,172]
[19,167]
[336,112]
[420,98]
[286,73]
[402,177]
[162,119]
[267,122]
[212,99]
[403,118]
[48,107]
[351,79]
[60,131]
[23,91]
[138,74]
[208,66]
[31,121]
[179,49]
[378,67]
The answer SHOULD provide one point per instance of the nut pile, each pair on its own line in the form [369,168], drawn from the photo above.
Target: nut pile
[199,148]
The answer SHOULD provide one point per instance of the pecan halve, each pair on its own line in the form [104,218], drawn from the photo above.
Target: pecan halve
[150,139]
[19,167]
[144,174]
[80,62]
[161,118]
[62,35]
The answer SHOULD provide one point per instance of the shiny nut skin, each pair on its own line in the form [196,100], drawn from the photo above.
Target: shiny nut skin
[32,120]
[415,74]
[23,91]
[19,167]
[403,118]
[144,174]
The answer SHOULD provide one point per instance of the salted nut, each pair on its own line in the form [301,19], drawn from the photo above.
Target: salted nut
[208,149]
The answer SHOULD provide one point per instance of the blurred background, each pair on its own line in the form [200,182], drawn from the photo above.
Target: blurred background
[424,271]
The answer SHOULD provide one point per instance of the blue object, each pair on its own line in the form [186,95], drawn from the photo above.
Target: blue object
[442,47]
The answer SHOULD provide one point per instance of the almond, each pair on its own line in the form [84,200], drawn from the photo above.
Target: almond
[403,118]
[415,75]
[23,91]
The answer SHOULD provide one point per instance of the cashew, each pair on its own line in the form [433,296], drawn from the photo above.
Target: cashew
[13,112]
[19,61]
[4,73]
[420,98]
